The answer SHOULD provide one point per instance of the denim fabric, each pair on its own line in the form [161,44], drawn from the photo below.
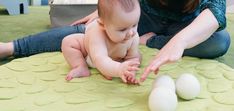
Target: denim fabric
[48,41]
[217,45]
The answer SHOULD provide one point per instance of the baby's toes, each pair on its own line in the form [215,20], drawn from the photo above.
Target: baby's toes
[69,77]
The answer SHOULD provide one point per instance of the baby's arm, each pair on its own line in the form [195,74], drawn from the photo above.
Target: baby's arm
[133,55]
[108,67]
[133,51]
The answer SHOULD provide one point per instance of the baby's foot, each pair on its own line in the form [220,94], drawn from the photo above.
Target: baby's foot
[145,37]
[78,72]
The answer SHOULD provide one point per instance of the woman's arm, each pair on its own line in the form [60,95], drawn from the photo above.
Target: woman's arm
[198,31]
[218,8]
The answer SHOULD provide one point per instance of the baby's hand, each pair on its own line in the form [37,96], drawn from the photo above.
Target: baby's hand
[127,71]
[131,79]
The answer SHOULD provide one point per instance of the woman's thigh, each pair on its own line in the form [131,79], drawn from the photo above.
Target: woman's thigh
[47,41]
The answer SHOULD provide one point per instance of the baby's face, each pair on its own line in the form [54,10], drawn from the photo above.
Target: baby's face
[123,25]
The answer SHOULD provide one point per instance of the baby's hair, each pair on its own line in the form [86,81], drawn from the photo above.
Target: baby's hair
[105,7]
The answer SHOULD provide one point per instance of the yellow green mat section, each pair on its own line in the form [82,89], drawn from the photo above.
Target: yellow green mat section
[37,83]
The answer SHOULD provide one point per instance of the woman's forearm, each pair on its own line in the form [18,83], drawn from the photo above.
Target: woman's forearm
[198,31]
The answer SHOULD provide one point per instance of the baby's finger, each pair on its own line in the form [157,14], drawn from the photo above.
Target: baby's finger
[127,78]
[123,79]
[133,68]
[133,63]
[136,59]
[136,81]
[130,78]
[128,73]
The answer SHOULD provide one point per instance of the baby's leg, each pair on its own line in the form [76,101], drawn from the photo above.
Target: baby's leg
[75,53]
[6,50]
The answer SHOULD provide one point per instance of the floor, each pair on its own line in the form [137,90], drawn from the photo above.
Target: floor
[230,6]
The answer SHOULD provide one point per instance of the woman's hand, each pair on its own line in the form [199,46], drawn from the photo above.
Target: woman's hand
[202,27]
[171,52]
[87,19]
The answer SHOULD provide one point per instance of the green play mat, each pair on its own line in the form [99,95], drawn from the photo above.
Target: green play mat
[37,83]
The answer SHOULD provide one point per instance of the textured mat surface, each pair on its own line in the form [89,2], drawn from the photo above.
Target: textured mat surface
[37,83]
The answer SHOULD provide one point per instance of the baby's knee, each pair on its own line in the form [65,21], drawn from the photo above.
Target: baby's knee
[65,42]
[73,41]
[69,39]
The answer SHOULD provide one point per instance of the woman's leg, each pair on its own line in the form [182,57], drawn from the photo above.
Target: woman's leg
[48,41]
[216,46]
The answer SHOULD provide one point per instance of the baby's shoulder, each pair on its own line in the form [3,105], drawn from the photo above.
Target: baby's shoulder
[94,28]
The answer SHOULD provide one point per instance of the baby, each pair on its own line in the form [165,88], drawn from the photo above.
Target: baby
[110,43]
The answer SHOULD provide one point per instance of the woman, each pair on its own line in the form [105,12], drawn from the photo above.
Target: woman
[177,27]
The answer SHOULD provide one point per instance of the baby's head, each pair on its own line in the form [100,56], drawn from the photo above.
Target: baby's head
[119,18]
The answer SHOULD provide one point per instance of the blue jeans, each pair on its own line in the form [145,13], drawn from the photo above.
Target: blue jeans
[217,45]
[49,41]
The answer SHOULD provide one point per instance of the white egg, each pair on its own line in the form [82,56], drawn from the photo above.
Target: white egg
[162,99]
[187,86]
[164,81]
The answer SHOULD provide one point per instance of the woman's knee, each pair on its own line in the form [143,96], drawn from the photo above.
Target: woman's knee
[223,42]
[217,45]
